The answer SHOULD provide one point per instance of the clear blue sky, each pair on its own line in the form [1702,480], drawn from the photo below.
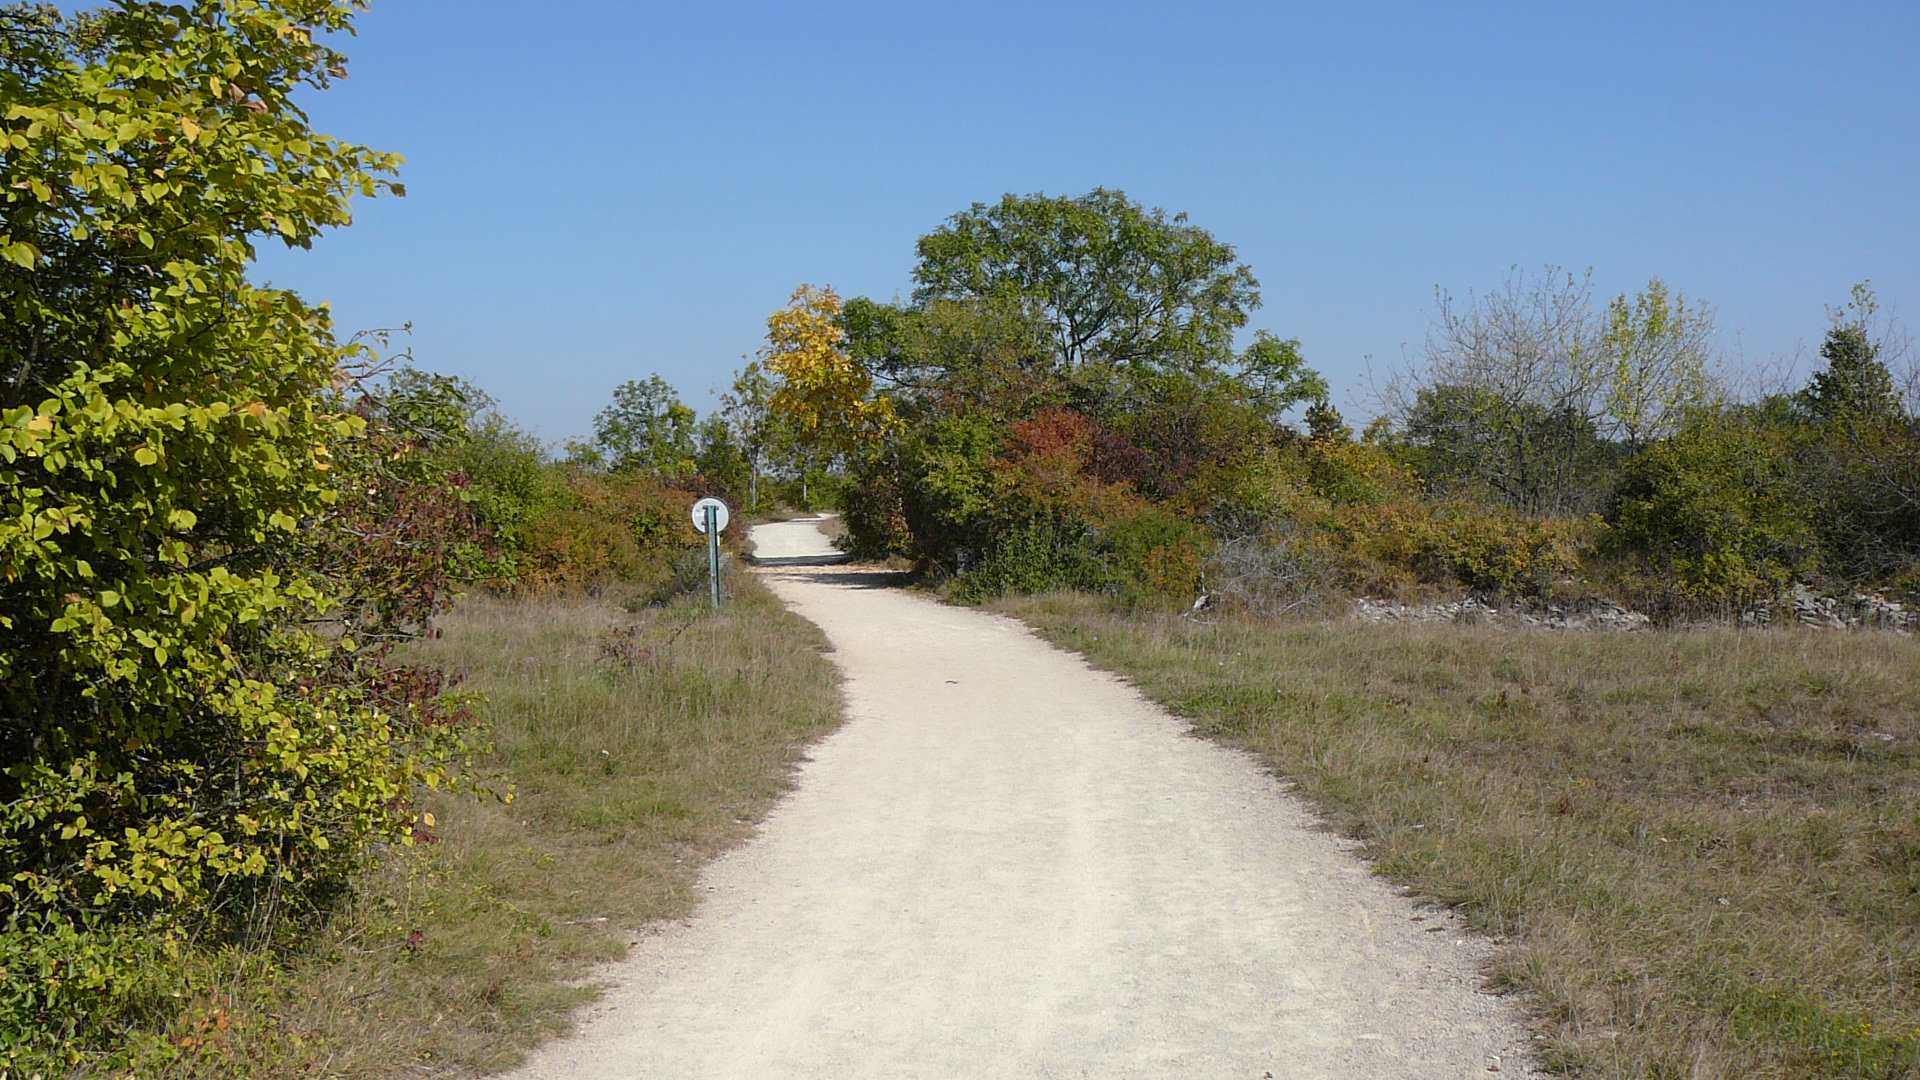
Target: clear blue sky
[599,191]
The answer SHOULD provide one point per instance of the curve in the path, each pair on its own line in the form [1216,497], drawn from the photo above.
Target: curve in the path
[799,542]
[1008,865]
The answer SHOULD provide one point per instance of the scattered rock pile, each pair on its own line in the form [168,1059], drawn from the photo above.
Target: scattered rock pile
[1801,605]
[1850,612]
[1604,615]
[1387,611]
[1600,615]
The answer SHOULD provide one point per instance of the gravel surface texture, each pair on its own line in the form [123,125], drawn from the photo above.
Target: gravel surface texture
[1007,864]
[804,541]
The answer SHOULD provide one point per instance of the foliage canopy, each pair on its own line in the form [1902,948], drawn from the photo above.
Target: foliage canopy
[1112,282]
[824,399]
[646,428]
[181,749]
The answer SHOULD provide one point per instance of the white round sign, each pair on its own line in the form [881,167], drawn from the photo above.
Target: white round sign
[699,514]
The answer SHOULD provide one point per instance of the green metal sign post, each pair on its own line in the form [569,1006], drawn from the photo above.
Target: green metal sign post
[710,517]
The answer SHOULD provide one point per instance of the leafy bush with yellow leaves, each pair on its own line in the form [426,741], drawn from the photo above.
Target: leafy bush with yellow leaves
[195,737]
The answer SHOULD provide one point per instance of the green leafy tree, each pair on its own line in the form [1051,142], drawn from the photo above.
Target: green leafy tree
[1094,339]
[1855,383]
[1860,457]
[1113,282]
[1325,424]
[752,427]
[177,751]
[1719,508]
[1527,395]
[646,428]
[1504,404]
[430,407]
[970,354]
[1091,303]
[1277,378]
[720,461]
[1470,442]
[1659,364]
[584,456]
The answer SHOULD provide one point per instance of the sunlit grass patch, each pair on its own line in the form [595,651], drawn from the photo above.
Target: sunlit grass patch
[629,776]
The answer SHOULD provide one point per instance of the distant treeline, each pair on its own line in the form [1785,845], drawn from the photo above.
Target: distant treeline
[1062,404]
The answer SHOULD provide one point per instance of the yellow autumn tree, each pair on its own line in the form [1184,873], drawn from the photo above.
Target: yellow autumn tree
[825,399]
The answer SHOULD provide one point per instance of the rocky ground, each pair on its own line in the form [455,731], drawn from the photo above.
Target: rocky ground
[1800,605]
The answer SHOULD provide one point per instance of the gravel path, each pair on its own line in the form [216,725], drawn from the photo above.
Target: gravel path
[1009,865]
[799,542]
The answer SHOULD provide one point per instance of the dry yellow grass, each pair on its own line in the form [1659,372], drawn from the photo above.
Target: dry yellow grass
[632,771]
[1700,850]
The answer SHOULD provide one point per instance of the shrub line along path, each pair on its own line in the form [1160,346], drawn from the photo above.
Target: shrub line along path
[1007,864]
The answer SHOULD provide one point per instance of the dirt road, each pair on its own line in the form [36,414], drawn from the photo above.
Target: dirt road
[803,541]
[1010,865]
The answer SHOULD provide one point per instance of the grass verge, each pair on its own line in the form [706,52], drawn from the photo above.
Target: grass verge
[1700,851]
[637,756]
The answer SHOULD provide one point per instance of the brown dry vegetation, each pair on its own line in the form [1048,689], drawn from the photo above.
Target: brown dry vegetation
[636,759]
[1699,850]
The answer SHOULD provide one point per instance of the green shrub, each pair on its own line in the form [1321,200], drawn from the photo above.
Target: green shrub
[1153,553]
[1352,511]
[1305,482]
[1035,556]
[1502,553]
[1860,475]
[921,498]
[1045,503]
[605,528]
[1145,556]
[1718,508]
[182,752]
[875,512]
[1490,550]
[1475,444]
[510,485]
